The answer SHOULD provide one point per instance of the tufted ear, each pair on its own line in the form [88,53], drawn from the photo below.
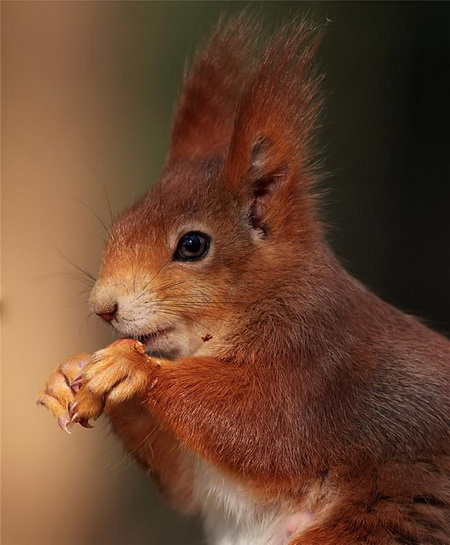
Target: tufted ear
[204,117]
[271,154]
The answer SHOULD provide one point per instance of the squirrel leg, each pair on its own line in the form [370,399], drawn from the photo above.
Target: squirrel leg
[222,411]
[212,407]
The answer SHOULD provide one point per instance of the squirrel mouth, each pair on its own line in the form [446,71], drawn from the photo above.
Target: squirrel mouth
[149,340]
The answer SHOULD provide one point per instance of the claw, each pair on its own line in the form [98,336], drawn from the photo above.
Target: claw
[63,422]
[85,423]
[72,407]
[76,383]
[74,418]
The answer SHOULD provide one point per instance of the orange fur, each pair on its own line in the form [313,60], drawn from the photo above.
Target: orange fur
[269,362]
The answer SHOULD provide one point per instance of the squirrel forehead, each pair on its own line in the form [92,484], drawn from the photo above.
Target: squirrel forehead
[189,187]
[189,195]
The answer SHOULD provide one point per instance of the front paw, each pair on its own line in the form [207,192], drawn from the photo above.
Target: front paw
[117,373]
[60,390]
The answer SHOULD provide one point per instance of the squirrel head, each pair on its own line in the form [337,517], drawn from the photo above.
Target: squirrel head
[232,220]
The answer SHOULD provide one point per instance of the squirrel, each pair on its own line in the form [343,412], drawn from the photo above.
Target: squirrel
[257,382]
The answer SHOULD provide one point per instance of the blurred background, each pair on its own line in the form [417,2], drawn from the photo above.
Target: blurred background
[87,94]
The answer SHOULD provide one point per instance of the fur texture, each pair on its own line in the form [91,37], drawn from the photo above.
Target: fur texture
[271,392]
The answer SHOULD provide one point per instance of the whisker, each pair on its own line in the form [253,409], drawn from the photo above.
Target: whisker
[159,289]
[71,275]
[108,202]
[77,267]
[76,304]
[186,302]
[209,310]
[102,223]
[169,313]
[153,278]
[85,321]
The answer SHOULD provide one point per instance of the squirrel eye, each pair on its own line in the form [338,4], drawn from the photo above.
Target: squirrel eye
[192,246]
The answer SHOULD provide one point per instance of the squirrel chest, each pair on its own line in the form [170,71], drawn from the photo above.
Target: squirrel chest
[233,514]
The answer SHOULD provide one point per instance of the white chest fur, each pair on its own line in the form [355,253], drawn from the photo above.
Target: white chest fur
[234,516]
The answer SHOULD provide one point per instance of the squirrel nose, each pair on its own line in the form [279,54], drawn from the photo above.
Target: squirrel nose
[104,300]
[109,313]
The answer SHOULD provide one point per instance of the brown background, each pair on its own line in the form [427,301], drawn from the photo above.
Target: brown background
[87,92]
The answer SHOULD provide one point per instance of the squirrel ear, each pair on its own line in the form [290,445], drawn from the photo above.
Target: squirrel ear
[266,175]
[204,117]
[271,154]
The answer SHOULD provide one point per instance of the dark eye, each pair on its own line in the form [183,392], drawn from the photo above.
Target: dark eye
[192,246]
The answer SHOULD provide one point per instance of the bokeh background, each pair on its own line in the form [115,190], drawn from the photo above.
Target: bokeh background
[87,93]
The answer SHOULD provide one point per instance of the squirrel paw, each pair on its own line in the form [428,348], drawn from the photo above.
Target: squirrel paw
[61,388]
[116,373]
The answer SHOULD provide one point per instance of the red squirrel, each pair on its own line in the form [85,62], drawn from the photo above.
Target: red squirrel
[257,382]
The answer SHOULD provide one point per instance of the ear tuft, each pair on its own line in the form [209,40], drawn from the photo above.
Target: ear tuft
[271,162]
[204,117]
[278,108]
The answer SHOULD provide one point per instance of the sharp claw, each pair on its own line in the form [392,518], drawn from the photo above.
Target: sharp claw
[76,383]
[75,387]
[85,423]
[74,418]
[72,407]
[63,422]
